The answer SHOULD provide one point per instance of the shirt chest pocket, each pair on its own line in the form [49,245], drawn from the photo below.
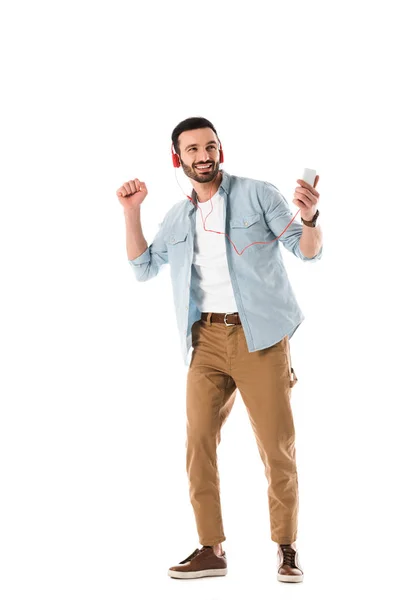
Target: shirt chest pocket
[247,229]
[176,245]
[246,222]
[176,237]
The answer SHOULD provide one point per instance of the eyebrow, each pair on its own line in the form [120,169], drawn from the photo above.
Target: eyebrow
[190,145]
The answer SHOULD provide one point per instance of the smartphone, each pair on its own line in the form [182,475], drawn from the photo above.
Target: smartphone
[309,176]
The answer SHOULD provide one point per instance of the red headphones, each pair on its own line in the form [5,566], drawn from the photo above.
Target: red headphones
[176,160]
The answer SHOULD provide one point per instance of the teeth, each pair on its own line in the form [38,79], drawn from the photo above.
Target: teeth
[204,167]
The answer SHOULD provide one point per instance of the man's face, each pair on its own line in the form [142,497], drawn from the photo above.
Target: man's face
[199,147]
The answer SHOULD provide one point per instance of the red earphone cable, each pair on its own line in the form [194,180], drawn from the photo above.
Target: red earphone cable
[222,232]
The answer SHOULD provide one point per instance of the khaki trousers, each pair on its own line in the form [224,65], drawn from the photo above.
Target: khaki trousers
[221,364]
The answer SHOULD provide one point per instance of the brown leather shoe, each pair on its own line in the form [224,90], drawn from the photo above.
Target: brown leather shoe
[289,568]
[201,563]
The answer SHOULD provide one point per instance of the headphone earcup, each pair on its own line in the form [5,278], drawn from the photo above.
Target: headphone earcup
[175,160]
[175,157]
[221,155]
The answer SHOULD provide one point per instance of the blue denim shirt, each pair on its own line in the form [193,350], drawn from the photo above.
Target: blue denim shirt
[254,211]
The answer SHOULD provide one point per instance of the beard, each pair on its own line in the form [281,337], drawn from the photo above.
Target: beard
[193,173]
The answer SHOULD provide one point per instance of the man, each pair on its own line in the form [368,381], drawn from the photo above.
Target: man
[236,309]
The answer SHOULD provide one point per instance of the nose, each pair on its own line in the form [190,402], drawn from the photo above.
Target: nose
[204,156]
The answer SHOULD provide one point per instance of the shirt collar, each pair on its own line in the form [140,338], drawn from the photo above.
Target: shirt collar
[225,185]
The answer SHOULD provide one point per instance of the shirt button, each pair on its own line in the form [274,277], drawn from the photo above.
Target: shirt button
[246,223]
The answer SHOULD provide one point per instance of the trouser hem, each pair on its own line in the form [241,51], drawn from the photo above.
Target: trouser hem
[205,542]
[284,540]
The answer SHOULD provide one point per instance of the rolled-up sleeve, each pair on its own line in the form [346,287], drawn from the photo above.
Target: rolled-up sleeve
[277,215]
[297,252]
[148,264]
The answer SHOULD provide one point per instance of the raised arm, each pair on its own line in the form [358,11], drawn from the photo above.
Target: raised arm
[145,260]
[277,215]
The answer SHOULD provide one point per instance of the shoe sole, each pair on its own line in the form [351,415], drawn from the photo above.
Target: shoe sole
[290,578]
[196,574]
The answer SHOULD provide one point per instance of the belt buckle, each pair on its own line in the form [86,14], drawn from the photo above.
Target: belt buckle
[228,324]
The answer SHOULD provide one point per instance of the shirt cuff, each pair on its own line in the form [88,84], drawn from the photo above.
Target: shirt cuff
[307,258]
[139,260]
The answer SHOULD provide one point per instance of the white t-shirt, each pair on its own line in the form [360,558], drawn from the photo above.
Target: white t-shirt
[211,283]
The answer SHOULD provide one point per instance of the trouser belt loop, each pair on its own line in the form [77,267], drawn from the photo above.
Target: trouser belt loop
[209,319]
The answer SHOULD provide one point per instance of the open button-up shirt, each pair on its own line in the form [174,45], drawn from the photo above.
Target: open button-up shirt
[253,211]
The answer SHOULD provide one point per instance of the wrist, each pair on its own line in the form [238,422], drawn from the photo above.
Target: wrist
[132,210]
[311,222]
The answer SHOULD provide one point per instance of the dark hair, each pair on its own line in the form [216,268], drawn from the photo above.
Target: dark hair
[187,125]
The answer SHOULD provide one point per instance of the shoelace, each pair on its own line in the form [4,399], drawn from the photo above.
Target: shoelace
[190,556]
[289,556]
[195,553]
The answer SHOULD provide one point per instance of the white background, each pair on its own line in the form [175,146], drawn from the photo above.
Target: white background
[94,498]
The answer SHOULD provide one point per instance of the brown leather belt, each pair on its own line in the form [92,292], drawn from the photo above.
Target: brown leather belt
[227,318]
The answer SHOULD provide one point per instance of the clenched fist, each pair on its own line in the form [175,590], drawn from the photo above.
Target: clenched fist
[132,193]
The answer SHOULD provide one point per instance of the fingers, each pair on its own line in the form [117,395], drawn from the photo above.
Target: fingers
[302,194]
[308,197]
[300,204]
[135,185]
[131,187]
[306,185]
[303,200]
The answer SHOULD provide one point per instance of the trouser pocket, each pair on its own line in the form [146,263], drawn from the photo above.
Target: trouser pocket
[293,380]
[292,374]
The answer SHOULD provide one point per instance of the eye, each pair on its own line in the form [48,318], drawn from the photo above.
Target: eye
[214,148]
